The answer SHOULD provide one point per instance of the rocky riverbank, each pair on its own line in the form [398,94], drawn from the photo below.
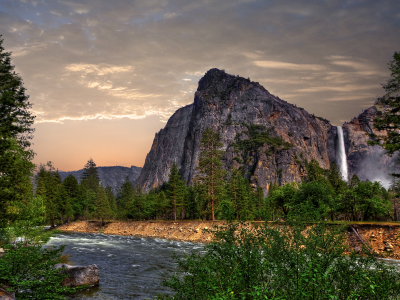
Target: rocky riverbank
[382,238]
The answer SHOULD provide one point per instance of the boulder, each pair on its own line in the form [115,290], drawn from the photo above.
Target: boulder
[79,275]
[4,295]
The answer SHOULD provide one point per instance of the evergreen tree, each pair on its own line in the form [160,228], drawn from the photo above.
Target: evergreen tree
[71,185]
[102,209]
[160,204]
[125,199]
[212,175]
[336,179]
[15,159]
[90,177]
[388,118]
[191,204]
[260,209]
[233,190]
[111,200]
[48,182]
[175,191]
[15,117]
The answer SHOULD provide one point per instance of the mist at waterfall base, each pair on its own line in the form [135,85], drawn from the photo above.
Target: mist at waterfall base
[130,267]
[378,167]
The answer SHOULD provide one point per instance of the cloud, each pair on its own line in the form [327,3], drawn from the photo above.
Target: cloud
[344,88]
[101,69]
[92,59]
[287,66]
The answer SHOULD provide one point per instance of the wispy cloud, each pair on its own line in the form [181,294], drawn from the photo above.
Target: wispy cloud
[287,66]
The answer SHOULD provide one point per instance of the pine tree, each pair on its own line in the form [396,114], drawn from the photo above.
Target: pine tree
[336,178]
[191,204]
[160,204]
[48,182]
[175,191]
[111,200]
[212,175]
[125,199]
[15,159]
[90,177]
[102,209]
[15,117]
[388,119]
[233,190]
[71,185]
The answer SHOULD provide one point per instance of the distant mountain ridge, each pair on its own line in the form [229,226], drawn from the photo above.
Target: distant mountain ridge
[113,176]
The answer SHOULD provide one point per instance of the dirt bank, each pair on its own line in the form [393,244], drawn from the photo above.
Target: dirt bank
[192,231]
[380,238]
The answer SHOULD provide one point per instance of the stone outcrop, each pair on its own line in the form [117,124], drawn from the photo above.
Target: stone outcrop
[79,275]
[368,162]
[230,105]
[4,295]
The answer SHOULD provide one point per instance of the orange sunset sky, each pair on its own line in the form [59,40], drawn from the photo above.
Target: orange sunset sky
[105,76]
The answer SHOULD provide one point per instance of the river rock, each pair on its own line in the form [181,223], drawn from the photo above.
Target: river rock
[4,295]
[79,275]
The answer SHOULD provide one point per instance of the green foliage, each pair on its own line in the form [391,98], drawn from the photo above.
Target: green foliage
[90,177]
[211,181]
[281,198]
[310,202]
[15,182]
[282,262]
[103,208]
[125,199]
[257,137]
[15,117]
[388,119]
[176,189]
[29,271]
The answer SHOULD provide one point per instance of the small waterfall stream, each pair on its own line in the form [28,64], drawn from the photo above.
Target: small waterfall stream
[341,154]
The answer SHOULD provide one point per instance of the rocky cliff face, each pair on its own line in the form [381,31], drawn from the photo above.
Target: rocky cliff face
[112,176]
[368,162]
[279,135]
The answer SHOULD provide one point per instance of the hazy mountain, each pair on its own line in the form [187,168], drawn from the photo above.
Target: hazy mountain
[112,176]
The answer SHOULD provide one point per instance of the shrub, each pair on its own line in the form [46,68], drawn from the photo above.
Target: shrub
[281,262]
[30,272]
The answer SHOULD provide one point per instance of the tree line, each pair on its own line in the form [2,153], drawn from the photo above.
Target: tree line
[322,195]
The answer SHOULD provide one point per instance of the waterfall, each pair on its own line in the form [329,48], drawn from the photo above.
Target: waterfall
[341,153]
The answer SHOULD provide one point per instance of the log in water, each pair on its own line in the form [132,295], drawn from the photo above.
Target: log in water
[130,267]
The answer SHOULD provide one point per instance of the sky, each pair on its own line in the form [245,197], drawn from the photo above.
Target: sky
[105,76]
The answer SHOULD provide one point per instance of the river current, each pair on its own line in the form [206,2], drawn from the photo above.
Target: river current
[130,267]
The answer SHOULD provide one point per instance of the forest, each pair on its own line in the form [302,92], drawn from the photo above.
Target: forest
[323,195]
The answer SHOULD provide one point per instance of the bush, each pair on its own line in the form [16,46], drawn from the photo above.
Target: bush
[282,262]
[30,273]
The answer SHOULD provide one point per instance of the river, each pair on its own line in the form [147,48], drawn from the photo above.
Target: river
[130,267]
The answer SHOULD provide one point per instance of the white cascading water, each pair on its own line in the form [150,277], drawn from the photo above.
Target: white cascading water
[341,153]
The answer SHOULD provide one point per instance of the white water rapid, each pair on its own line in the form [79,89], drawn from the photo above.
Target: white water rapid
[341,154]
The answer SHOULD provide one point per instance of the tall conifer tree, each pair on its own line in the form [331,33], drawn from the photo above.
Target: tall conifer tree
[175,190]
[90,176]
[15,131]
[212,175]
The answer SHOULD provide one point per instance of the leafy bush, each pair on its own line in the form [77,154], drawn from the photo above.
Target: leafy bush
[29,272]
[281,262]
